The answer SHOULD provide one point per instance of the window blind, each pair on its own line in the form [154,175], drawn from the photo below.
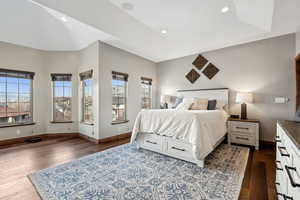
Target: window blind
[16,74]
[86,75]
[147,81]
[119,76]
[61,77]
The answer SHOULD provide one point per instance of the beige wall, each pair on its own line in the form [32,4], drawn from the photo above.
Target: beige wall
[265,68]
[42,63]
[298,41]
[100,57]
[89,59]
[103,58]
[61,62]
[21,58]
[112,58]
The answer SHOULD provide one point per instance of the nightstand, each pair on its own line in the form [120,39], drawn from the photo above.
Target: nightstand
[243,132]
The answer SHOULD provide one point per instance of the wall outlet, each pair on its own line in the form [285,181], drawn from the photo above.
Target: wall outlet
[123,129]
[18,132]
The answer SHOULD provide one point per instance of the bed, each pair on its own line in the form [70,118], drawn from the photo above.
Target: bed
[189,135]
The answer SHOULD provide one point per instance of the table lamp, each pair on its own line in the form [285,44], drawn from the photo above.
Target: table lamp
[243,98]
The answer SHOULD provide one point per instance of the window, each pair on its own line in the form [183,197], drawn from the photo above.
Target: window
[119,95]
[15,97]
[62,97]
[87,97]
[146,86]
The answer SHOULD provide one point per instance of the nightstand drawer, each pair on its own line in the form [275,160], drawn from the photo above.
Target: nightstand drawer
[243,127]
[242,139]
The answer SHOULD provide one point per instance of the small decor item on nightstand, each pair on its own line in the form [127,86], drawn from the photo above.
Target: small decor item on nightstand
[165,100]
[243,98]
[234,116]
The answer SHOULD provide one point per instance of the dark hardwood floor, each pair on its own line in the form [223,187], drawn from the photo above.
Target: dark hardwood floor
[17,161]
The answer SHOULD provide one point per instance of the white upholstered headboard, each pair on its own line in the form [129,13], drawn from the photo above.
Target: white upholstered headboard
[214,93]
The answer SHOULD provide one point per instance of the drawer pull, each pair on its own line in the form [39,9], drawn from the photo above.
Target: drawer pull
[280,194]
[244,128]
[242,138]
[293,183]
[148,141]
[283,154]
[277,164]
[177,149]
[285,197]
[278,141]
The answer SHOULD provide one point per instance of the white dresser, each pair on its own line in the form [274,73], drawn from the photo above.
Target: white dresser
[288,160]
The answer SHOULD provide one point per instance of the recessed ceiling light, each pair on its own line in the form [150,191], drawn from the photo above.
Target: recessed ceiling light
[163,31]
[64,19]
[225,9]
[127,6]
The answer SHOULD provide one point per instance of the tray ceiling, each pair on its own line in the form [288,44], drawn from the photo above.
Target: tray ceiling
[136,25]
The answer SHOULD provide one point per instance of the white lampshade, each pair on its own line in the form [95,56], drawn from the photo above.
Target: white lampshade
[244,97]
[165,98]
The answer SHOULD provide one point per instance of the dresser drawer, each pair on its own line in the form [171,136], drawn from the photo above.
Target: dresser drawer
[244,127]
[152,141]
[179,149]
[293,174]
[283,155]
[242,138]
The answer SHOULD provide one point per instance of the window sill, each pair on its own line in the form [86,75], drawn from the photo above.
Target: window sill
[119,122]
[20,124]
[62,122]
[87,123]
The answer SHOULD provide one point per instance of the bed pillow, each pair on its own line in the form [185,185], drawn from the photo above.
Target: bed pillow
[221,105]
[178,100]
[188,100]
[184,106]
[199,104]
[212,104]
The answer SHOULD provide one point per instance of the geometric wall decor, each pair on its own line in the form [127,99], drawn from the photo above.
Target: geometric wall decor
[210,71]
[192,76]
[200,62]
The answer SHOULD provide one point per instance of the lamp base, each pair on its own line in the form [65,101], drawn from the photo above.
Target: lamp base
[243,111]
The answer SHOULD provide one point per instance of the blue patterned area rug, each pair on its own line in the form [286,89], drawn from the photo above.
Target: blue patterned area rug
[125,173]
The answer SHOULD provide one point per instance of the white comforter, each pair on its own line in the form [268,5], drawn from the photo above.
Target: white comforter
[201,128]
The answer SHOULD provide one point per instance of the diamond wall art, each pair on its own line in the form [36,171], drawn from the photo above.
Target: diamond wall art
[210,71]
[192,76]
[200,62]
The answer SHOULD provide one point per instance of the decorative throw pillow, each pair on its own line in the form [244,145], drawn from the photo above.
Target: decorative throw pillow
[212,104]
[199,104]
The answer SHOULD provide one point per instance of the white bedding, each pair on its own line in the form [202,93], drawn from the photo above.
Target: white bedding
[201,128]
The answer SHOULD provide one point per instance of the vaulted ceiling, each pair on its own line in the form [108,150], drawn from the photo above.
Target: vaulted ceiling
[157,30]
